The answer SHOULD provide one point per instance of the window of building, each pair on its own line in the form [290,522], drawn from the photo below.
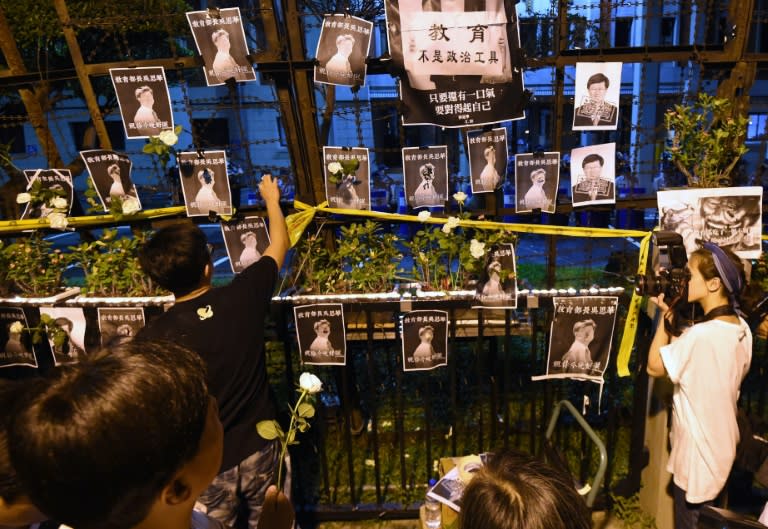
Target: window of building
[211,133]
[668,31]
[115,131]
[622,36]
[13,136]
[756,127]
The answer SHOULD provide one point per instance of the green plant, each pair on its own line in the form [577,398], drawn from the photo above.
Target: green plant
[33,267]
[111,266]
[51,200]
[631,515]
[161,146]
[366,257]
[707,140]
[46,327]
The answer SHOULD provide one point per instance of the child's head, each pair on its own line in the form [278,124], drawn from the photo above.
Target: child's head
[515,491]
[176,258]
[130,436]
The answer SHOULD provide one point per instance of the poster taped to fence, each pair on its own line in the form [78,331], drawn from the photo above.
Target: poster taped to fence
[596,98]
[487,159]
[58,180]
[110,173]
[17,345]
[67,336]
[118,325]
[593,171]
[537,176]
[320,333]
[347,177]
[205,183]
[425,339]
[580,337]
[727,216]
[144,100]
[342,50]
[497,287]
[246,241]
[220,40]
[425,171]
[458,65]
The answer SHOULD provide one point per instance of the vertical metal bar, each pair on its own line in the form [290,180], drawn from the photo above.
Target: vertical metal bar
[506,375]
[347,407]
[493,376]
[479,370]
[373,406]
[453,382]
[400,415]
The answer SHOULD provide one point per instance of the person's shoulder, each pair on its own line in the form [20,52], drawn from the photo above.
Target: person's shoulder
[201,520]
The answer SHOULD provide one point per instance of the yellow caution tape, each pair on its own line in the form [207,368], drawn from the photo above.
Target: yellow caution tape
[633,313]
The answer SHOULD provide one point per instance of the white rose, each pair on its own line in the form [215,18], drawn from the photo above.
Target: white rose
[58,202]
[424,215]
[446,228]
[334,167]
[310,383]
[23,198]
[168,137]
[460,197]
[476,248]
[130,205]
[16,327]
[452,222]
[58,220]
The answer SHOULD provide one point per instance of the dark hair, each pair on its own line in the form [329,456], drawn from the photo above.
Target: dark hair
[175,257]
[95,443]
[10,488]
[515,491]
[592,158]
[598,78]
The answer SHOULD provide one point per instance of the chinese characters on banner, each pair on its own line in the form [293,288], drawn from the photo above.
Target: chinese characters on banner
[593,174]
[425,170]
[537,177]
[581,337]
[60,179]
[16,345]
[246,240]
[487,159]
[458,67]
[110,173]
[348,191]
[145,104]
[342,50]
[728,216]
[425,339]
[220,40]
[497,287]
[320,333]
[68,342]
[119,324]
[205,183]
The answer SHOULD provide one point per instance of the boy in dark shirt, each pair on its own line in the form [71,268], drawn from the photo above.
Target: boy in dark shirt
[225,326]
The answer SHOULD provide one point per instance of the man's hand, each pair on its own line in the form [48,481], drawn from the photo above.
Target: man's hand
[269,189]
[277,511]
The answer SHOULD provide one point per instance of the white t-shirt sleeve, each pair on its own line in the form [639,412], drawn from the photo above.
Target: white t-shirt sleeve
[676,355]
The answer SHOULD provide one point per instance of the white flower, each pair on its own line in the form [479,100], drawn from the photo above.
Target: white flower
[58,202]
[58,220]
[23,198]
[476,248]
[334,167]
[446,228]
[424,215]
[310,383]
[460,197]
[16,327]
[168,137]
[130,205]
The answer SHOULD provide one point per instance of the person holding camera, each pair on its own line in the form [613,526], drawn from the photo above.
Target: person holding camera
[706,362]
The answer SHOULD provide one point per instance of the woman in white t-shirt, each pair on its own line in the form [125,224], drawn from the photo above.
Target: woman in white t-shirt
[706,364]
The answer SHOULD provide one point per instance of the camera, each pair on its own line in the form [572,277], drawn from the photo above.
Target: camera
[668,260]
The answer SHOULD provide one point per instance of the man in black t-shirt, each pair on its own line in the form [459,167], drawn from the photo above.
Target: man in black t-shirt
[225,326]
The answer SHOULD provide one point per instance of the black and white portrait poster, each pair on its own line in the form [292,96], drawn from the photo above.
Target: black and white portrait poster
[60,179]
[205,182]
[460,63]
[119,325]
[497,287]
[425,339]
[16,344]
[110,173]
[145,103]
[596,102]
[350,190]
[487,159]
[425,170]
[320,333]
[220,40]
[246,240]
[536,179]
[727,216]
[68,340]
[342,50]
[593,174]
[581,336]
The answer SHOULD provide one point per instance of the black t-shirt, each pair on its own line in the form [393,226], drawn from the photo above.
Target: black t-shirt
[225,326]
